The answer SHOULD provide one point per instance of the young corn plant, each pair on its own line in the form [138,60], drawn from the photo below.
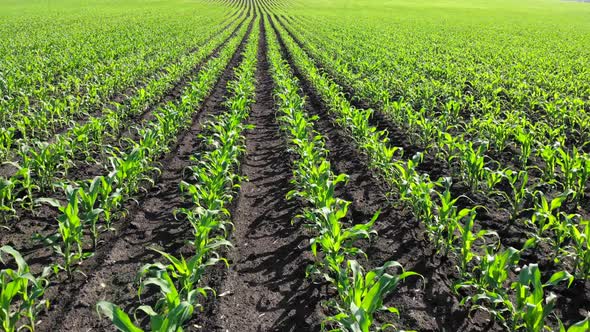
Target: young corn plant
[131,169]
[519,192]
[448,146]
[468,238]
[575,169]
[110,197]
[493,178]
[447,220]
[488,283]
[6,199]
[560,235]
[472,164]
[362,295]
[546,215]
[526,140]
[169,313]
[532,306]
[549,155]
[6,141]
[580,248]
[334,240]
[21,293]
[68,242]
[421,190]
[23,186]
[189,272]
[404,174]
[46,161]
[89,195]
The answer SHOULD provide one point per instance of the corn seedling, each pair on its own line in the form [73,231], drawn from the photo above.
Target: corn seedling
[467,239]
[21,293]
[68,242]
[362,294]
[488,283]
[519,192]
[532,306]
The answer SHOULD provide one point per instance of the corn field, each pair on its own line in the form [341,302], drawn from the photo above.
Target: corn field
[295,165]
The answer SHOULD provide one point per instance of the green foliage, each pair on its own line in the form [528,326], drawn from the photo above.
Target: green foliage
[21,293]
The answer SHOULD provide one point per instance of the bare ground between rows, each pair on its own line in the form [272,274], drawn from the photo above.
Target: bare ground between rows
[426,304]
[42,222]
[265,288]
[112,270]
[572,302]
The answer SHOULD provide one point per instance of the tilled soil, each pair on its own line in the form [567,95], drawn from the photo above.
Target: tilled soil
[265,288]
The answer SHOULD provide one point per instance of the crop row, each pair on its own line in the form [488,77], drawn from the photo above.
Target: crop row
[563,171]
[335,244]
[450,228]
[211,189]
[491,92]
[44,163]
[91,204]
[550,223]
[52,107]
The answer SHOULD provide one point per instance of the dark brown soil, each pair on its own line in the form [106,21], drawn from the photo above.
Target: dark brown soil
[265,288]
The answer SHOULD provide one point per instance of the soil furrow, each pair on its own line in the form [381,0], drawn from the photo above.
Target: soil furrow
[112,271]
[266,286]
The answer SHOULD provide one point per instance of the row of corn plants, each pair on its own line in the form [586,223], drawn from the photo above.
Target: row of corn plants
[44,163]
[566,232]
[21,292]
[490,132]
[453,230]
[512,97]
[89,202]
[360,292]
[39,113]
[564,170]
[211,188]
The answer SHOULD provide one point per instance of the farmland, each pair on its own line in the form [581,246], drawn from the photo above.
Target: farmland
[294,165]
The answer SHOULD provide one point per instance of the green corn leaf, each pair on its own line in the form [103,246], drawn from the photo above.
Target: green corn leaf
[117,316]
